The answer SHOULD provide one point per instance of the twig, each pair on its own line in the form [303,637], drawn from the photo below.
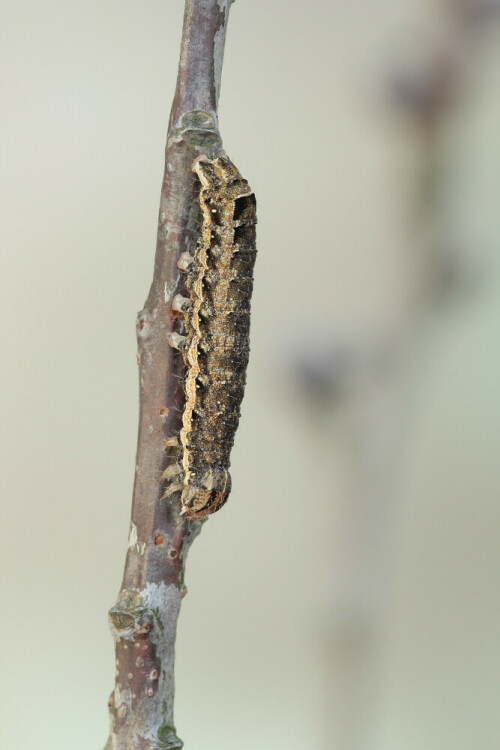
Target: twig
[144,619]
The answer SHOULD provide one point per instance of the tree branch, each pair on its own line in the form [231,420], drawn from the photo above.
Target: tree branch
[144,618]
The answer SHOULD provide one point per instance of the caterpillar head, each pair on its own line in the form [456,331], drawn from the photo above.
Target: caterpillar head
[207,494]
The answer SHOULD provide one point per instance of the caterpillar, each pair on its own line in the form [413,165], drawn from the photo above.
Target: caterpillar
[215,338]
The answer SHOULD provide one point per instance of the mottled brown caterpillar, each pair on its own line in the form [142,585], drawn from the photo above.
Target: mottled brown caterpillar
[215,347]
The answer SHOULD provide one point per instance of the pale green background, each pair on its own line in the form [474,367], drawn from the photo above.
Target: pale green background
[347,597]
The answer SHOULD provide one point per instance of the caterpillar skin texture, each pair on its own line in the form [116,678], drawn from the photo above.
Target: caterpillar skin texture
[219,280]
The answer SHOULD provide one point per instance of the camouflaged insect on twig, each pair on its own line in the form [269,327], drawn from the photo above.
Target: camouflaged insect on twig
[215,338]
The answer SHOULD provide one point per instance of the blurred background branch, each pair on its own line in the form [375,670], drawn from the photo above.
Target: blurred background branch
[364,385]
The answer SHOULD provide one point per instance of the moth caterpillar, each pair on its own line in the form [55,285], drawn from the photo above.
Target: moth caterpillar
[215,340]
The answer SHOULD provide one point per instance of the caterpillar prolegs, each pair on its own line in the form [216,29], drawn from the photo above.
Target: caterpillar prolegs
[215,339]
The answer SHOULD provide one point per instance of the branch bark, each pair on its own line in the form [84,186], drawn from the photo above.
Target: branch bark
[144,618]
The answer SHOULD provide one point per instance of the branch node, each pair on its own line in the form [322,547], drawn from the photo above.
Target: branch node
[129,617]
[168,738]
[200,130]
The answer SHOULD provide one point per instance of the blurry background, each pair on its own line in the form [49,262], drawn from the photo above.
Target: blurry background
[347,598]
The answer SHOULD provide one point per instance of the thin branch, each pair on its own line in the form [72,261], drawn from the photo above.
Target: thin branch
[144,619]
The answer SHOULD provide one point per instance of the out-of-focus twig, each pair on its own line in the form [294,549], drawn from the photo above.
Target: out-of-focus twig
[356,391]
[425,87]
